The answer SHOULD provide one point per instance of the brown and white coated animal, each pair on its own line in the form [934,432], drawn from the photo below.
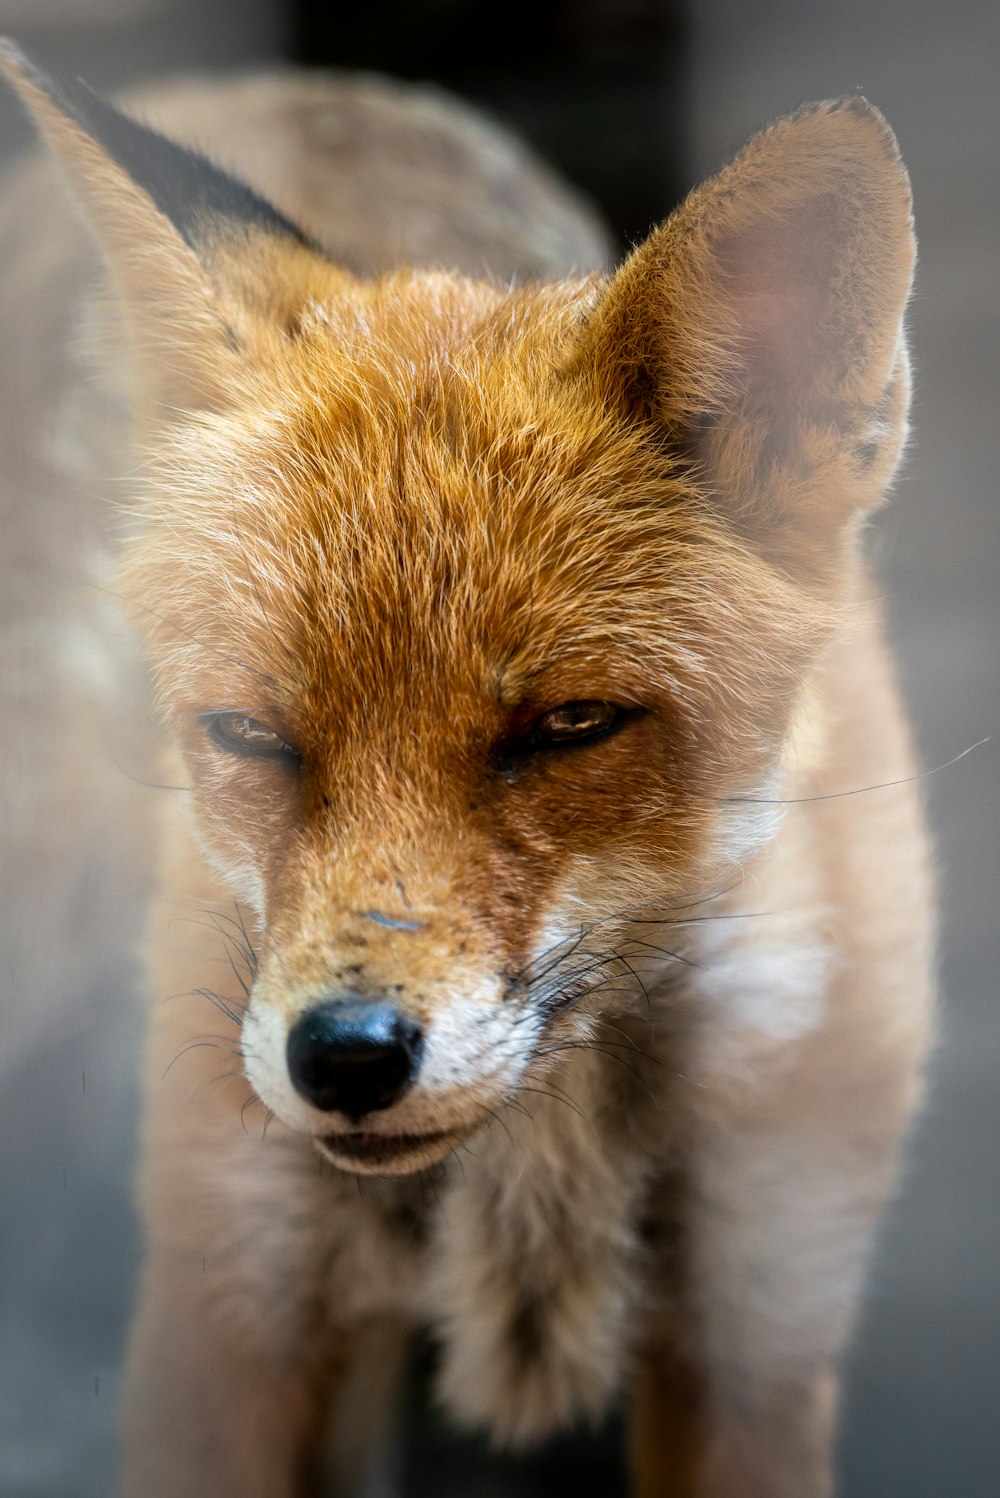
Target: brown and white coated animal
[517,651]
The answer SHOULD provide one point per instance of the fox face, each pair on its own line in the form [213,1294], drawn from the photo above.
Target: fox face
[479,615]
[437,659]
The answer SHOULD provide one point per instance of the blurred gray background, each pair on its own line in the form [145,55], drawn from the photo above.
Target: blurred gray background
[636,100]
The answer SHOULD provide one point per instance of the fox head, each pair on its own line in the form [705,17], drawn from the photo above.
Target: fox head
[480,614]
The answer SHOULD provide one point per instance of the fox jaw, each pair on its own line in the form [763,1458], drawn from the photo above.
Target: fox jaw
[480,615]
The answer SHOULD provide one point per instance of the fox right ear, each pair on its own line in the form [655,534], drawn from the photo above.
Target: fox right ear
[206,271]
[758,332]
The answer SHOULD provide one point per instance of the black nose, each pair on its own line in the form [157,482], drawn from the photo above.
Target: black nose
[353,1056]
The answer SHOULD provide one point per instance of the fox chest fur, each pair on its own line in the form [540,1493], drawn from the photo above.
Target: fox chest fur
[514,650]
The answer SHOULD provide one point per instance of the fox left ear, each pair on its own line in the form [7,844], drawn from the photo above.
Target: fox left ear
[759,330]
[206,270]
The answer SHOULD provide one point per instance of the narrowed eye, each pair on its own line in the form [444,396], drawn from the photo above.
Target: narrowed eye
[573,722]
[240,734]
[566,726]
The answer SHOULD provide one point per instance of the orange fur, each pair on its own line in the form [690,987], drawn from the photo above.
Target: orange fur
[396,521]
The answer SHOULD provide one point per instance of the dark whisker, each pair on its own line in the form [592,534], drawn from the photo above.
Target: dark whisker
[574,976]
[207,1043]
[635,975]
[220,1003]
[561,957]
[589,1045]
[498,1118]
[558,1097]
[226,1075]
[651,947]
[629,914]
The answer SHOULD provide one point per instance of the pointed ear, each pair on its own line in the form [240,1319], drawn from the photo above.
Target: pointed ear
[760,328]
[206,271]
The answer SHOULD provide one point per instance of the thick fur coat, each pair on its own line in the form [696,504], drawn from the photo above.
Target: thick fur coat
[510,626]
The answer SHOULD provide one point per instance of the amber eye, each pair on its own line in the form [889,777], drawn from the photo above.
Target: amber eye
[240,734]
[573,722]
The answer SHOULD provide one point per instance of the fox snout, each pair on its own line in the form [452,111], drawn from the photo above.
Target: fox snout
[386,1040]
[353,1056]
[388,1084]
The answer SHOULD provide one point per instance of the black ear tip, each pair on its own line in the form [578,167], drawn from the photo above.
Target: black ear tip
[187,188]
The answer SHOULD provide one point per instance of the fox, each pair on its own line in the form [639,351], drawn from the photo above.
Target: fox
[543,835]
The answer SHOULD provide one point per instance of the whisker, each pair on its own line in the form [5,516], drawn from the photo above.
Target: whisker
[629,913]
[562,957]
[652,947]
[861,790]
[497,1117]
[587,1045]
[220,1003]
[224,1076]
[151,785]
[559,986]
[558,1097]
[207,1043]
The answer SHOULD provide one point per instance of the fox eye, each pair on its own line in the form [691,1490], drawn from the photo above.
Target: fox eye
[238,733]
[569,724]
[573,722]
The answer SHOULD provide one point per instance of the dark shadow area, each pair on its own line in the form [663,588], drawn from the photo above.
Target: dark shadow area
[597,86]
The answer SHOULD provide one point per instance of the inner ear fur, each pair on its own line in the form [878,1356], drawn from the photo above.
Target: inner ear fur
[758,331]
[209,275]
